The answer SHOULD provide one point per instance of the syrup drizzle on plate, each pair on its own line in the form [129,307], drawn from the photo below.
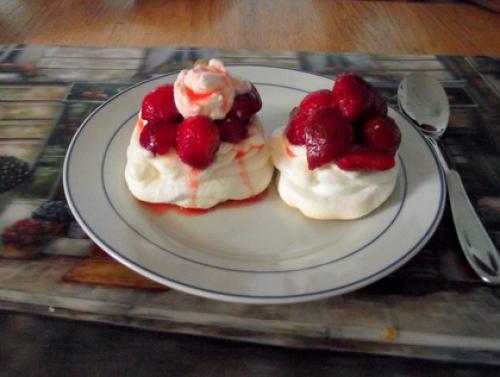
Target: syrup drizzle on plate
[161,208]
[193,184]
[240,159]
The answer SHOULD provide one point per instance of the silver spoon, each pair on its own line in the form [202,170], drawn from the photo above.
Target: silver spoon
[423,100]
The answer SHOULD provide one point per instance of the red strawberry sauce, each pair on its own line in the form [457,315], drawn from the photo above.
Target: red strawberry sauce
[160,208]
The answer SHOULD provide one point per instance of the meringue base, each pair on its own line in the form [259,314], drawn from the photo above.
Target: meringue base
[328,192]
[238,172]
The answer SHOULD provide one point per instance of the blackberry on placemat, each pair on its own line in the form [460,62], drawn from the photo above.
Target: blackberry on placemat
[13,172]
[53,211]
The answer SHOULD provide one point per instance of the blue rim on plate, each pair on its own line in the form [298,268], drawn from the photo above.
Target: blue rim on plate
[225,295]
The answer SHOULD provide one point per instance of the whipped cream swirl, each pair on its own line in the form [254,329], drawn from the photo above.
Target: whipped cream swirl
[207,90]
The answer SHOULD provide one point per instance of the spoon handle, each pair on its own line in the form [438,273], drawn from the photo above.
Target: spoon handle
[476,244]
[475,241]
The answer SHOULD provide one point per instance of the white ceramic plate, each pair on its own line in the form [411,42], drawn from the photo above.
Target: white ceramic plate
[261,253]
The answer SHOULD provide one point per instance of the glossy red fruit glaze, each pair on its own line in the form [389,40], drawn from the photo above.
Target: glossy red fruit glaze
[232,128]
[316,100]
[381,134]
[359,160]
[295,130]
[198,139]
[379,104]
[246,104]
[159,105]
[254,100]
[352,96]
[158,137]
[328,135]
[161,208]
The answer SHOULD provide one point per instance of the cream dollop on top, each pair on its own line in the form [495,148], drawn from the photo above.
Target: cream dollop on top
[327,192]
[207,90]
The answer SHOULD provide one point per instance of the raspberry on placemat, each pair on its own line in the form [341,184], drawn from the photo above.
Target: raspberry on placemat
[26,237]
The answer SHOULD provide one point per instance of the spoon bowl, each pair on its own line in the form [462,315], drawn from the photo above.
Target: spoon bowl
[423,99]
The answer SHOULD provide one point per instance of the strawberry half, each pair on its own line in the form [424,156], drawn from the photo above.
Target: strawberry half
[295,130]
[360,160]
[233,128]
[356,99]
[315,100]
[246,104]
[328,135]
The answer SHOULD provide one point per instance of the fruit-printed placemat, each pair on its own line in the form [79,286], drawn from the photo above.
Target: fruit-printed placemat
[432,307]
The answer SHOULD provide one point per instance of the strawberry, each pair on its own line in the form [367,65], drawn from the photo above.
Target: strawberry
[315,100]
[255,100]
[328,135]
[158,137]
[295,131]
[233,128]
[198,139]
[361,159]
[356,99]
[381,134]
[379,104]
[159,105]
[246,104]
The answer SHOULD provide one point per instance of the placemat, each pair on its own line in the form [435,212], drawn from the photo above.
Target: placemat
[433,307]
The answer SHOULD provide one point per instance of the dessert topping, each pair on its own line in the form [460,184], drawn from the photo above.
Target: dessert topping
[159,106]
[198,139]
[158,137]
[328,135]
[381,134]
[315,100]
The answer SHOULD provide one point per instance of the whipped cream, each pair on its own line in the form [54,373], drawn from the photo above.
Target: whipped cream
[207,90]
[239,171]
[327,192]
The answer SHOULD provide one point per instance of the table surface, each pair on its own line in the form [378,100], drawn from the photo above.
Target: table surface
[68,348]
[317,25]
